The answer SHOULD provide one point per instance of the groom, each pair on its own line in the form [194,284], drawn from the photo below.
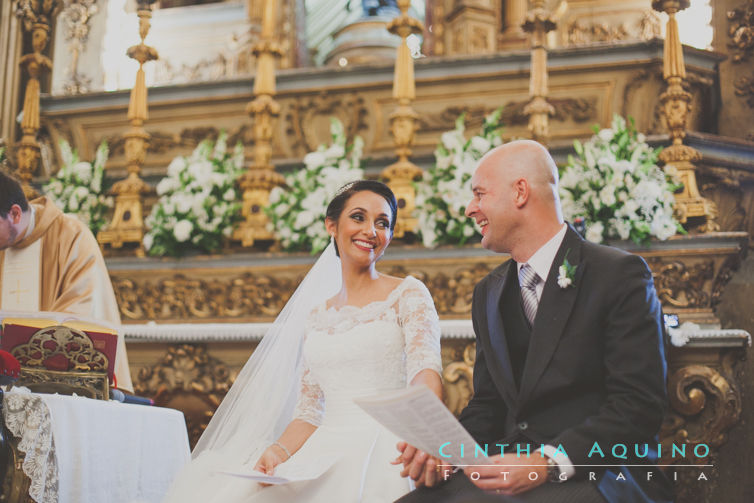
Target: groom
[569,355]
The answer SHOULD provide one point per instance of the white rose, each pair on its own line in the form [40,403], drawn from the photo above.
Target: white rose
[594,232]
[167,185]
[182,230]
[607,195]
[303,219]
[606,135]
[229,195]
[182,203]
[176,166]
[480,144]
[314,160]
[335,151]
[148,241]
[452,140]
[83,171]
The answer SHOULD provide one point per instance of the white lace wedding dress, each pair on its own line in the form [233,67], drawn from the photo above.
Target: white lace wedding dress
[348,352]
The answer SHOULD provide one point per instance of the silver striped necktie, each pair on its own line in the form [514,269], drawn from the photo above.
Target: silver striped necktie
[528,279]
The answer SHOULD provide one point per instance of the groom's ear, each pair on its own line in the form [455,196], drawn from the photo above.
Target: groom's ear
[521,192]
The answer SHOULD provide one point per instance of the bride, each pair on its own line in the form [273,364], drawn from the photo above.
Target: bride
[348,331]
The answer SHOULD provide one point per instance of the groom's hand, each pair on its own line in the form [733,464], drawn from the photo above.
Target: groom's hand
[417,464]
[513,475]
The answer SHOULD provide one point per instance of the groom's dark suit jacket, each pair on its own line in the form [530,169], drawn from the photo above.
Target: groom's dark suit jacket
[590,369]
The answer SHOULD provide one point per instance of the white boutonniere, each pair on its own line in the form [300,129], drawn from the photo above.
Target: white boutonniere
[566,272]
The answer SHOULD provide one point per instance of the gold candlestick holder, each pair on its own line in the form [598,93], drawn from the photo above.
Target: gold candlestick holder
[404,123]
[695,212]
[127,225]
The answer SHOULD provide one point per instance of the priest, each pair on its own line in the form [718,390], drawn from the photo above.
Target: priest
[50,261]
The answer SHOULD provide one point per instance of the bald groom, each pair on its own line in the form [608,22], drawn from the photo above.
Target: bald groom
[564,361]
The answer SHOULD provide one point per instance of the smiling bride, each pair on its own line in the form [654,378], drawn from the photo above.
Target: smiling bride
[348,331]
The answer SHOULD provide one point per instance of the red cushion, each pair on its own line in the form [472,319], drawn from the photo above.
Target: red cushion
[9,366]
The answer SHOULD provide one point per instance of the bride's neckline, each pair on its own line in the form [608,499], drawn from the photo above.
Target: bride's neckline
[349,307]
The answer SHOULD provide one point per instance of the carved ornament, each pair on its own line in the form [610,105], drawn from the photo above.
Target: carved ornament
[458,379]
[189,379]
[682,286]
[75,17]
[744,88]
[575,109]
[741,31]
[178,297]
[63,348]
[300,118]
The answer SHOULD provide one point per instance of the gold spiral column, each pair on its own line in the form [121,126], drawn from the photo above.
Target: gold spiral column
[127,225]
[538,23]
[261,177]
[404,123]
[37,17]
[695,212]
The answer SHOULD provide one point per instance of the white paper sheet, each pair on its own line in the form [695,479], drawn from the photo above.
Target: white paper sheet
[285,473]
[417,416]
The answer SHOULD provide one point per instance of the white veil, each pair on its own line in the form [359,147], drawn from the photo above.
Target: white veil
[261,402]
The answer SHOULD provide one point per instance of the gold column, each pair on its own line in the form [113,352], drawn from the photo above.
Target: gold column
[538,23]
[514,16]
[127,225]
[37,17]
[404,123]
[694,211]
[261,177]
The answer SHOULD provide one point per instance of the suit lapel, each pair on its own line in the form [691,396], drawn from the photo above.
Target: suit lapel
[553,312]
[495,345]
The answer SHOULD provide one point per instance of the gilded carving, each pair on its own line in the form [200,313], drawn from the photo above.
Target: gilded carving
[741,31]
[453,293]
[578,32]
[179,297]
[682,286]
[722,278]
[189,379]
[458,383]
[575,109]
[262,296]
[75,16]
[302,115]
[65,348]
[744,88]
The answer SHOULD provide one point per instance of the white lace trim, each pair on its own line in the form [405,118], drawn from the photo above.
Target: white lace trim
[410,307]
[28,418]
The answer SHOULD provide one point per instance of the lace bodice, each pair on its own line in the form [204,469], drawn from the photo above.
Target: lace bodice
[358,351]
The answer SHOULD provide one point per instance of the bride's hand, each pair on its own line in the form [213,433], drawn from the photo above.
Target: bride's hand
[270,458]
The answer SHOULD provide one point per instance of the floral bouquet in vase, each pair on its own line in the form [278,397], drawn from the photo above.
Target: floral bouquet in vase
[297,213]
[77,187]
[614,183]
[443,193]
[199,201]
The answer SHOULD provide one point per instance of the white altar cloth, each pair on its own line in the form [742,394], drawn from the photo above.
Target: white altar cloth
[80,450]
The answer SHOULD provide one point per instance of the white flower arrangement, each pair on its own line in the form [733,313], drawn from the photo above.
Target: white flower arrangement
[443,193]
[77,187]
[297,214]
[199,202]
[614,183]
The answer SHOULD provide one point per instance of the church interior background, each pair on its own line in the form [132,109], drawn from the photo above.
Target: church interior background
[154,79]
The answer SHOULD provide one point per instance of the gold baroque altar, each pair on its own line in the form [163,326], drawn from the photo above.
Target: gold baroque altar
[621,78]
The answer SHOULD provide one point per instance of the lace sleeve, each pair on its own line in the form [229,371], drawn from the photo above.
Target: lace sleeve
[311,402]
[421,330]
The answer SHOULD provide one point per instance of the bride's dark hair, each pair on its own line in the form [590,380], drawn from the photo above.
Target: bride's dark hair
[335,208]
